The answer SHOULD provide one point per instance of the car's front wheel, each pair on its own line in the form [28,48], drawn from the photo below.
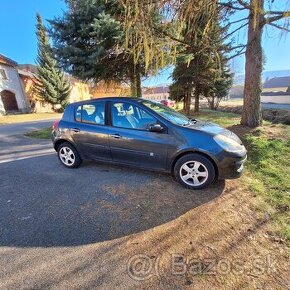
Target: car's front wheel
[194,171]
[68,155]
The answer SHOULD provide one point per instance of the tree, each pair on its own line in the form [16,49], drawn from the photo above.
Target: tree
[51,83]
[201,68]
[182,87]
[178,13]
[258,18]
[221,87]
[89,40]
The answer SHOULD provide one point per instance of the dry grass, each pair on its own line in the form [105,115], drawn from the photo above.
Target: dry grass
[19,118]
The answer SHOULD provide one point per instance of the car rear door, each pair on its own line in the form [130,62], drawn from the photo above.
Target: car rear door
[130,140]
[90,132]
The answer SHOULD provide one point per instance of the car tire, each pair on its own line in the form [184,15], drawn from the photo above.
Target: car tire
[68,155]
[194,171]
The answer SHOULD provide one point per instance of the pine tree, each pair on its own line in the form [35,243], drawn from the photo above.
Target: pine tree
[88,40]
[52,85]
[201,69]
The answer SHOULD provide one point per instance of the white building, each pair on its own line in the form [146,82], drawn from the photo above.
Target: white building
[156,93]
[12,96]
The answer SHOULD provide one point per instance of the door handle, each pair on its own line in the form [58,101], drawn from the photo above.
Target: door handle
[116,136]
[76,130]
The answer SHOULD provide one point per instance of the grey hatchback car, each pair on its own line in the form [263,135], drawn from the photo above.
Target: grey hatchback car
[146,134]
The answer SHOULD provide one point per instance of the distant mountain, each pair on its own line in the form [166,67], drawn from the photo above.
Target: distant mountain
[240,79]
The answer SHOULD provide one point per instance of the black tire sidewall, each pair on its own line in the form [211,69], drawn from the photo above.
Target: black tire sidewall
[195,157]
[78,159]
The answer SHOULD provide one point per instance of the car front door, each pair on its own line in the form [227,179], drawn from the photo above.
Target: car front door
[130,140]
[90,132]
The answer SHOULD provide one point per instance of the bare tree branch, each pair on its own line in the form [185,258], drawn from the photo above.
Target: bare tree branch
[270,12]
[277,17]
[231,6]
[237,21]
[239,46]
[235,55]
[234,31]
[245,4]
[280,27]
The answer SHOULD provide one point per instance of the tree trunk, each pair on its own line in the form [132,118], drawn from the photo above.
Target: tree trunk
[138,82]
[196,100]
[135,80]
[252,115]
[133,85]
[186,102]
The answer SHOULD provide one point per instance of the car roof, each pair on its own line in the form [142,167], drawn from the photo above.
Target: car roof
[109,99]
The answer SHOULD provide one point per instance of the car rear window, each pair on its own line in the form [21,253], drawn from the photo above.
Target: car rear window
[91,113]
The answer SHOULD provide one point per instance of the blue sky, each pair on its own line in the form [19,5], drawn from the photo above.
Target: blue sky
[18,39]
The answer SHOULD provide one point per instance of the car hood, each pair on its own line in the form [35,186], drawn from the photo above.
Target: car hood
[214,129]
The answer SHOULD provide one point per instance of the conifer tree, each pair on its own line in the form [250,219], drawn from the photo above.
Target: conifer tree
[201,68]
[52,85]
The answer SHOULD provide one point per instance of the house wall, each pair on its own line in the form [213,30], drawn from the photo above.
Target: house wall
[80,92]
[277,99]
[156,97]
[14,85]
[103,90]
[281,89]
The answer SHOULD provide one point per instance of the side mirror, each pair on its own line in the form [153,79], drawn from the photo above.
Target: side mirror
[157,128]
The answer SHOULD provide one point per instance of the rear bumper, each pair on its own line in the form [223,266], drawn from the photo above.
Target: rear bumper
[232,167]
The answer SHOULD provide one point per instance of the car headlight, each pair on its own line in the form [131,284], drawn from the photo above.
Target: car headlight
[229,144]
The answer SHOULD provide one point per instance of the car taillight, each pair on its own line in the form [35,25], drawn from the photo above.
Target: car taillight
[55,124]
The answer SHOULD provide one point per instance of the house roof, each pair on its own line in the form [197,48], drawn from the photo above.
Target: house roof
[156,90]
[7,61]
[274,94]
[26,73]
[277,82]
[31,68]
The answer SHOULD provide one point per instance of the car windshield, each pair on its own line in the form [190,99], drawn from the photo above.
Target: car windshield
[168,113]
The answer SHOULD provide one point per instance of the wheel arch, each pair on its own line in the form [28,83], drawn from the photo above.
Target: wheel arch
[61,141]
[181,154]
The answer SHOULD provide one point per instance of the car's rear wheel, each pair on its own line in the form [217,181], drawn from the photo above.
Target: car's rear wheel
[194,171]
[69,156]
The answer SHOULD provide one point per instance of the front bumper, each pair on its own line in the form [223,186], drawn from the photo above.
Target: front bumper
[232,167]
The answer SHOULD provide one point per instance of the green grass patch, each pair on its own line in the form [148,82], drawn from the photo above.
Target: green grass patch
[268,167]
[221,118]
[40,134]
[269,173]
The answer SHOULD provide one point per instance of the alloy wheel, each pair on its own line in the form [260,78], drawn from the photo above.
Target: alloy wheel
[194,173]
[67,156]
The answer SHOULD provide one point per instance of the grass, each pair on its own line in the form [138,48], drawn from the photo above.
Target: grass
[221,118]
[269,172]
[40,134]
[19,118]
[268,166]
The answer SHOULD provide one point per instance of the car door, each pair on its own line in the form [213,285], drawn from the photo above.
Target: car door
[90,132]
[130,140]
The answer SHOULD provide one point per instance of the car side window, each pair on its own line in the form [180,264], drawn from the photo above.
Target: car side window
[126,115]
[91,113]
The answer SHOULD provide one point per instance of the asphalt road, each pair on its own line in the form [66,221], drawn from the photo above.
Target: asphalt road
[57,224]
[21,128]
